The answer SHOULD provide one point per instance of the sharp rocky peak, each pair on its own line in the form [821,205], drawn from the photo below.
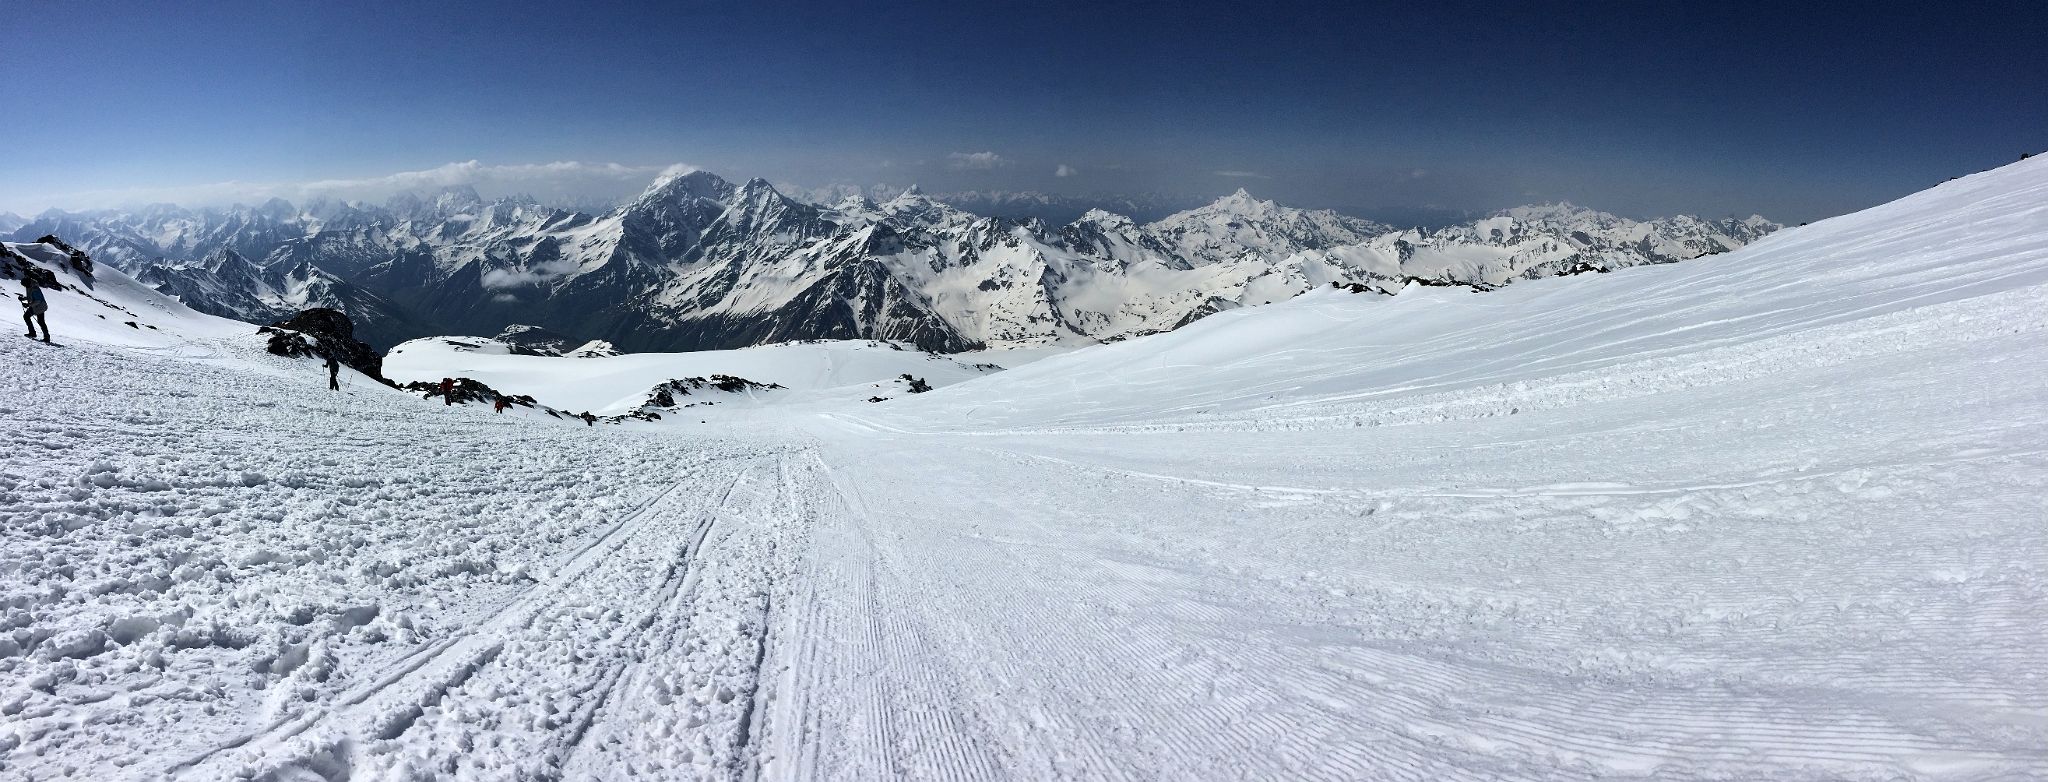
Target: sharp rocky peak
[687,185]
[457,197]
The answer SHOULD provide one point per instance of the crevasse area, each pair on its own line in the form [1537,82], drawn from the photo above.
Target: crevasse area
[1778,513]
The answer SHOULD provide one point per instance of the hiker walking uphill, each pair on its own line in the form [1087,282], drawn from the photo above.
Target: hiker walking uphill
[447,391]
[33,307]
[333,373]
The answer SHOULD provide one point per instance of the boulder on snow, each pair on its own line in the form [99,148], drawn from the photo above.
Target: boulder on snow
[321,332]
[80,262]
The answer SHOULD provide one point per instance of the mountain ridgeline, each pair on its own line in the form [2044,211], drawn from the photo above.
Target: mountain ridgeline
[697,262]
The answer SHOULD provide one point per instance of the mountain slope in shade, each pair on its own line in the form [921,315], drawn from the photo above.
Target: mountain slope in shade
[228,285]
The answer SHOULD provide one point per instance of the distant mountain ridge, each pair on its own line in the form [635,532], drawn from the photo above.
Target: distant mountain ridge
[1020,205]
[699,262]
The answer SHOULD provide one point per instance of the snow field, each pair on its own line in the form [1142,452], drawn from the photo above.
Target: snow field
[813,373]
[1776,514]
[210,562]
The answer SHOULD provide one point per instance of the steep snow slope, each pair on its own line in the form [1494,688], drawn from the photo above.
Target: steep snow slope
[811,372]
[102,305]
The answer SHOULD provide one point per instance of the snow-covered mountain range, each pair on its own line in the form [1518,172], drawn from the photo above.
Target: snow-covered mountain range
[698,262]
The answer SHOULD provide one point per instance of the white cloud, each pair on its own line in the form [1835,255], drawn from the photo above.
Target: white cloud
[499,279]
[1066,170]
[1241,174]
[560,179]
[975,161]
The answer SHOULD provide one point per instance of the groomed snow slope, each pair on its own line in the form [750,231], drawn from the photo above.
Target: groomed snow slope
[1781,513]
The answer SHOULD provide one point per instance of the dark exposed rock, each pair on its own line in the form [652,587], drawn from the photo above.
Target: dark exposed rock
[917,384]
[80,262]
[465,391]
[322,332]
[16,267]
[664,395]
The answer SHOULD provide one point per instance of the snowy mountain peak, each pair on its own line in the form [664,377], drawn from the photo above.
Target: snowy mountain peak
[855,203]
[1238,226]
[457,198]
[680,186]
[758,191]
[912,197]
[1105,218]
[1557,210]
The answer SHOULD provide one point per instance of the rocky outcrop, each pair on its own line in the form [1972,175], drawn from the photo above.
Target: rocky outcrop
[466,391]
[80,262]
[528,340]
[322,332]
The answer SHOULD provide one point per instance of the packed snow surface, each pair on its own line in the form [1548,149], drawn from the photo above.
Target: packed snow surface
[1779,513]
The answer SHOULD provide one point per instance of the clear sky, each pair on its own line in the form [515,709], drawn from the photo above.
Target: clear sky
[1794,110]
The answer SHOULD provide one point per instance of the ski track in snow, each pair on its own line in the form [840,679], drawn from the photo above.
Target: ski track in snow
[1674,540]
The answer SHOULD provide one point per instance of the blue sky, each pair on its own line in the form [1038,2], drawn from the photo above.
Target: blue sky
[1637,108]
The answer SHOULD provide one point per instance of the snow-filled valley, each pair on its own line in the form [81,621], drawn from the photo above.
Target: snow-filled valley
[1778,513]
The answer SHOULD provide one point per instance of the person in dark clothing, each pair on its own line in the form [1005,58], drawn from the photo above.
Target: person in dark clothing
[333,373]
[588,419]
[500,404]
[33,307]
[447,391]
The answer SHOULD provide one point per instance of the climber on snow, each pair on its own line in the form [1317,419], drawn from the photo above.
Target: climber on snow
[33,307]
[447,391]
[333,373]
